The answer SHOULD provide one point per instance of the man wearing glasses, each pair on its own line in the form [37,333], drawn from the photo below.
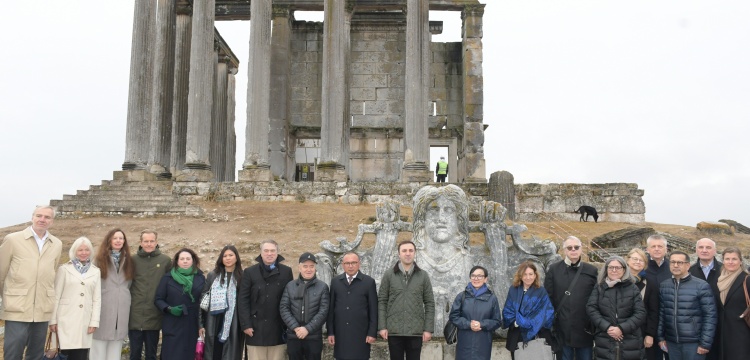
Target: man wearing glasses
[572,324]
[687,312]
[353,319]
[657,271]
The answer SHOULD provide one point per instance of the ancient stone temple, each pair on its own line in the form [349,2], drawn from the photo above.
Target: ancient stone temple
[367,86]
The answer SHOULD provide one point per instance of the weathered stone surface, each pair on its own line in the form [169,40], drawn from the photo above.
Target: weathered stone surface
[501,190]
[714,227]
[255,175]
[736,227]
[629,237]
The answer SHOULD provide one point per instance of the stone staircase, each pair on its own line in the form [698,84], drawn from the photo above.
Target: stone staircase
[117,197]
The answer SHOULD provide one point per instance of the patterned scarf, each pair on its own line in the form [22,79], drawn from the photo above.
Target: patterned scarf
[224,299]
[184,277]
[116,259]
[81,266]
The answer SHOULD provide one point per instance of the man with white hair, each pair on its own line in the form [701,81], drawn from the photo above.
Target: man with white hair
[28,261]
[707,268]
[657,271]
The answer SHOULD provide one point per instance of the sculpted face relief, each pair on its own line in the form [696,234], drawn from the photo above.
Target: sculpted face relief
[441,222]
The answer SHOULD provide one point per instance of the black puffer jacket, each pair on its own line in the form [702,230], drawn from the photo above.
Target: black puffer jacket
[687,313]
[619,306]
[305,304]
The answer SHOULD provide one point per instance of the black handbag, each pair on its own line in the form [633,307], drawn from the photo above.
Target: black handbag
[50,353]
[450,331]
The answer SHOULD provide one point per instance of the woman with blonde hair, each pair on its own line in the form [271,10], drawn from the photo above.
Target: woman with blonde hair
[75,315]
[117,272]
[637,260]
[734,342]
[528,311]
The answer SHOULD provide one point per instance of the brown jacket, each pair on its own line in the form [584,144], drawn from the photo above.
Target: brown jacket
[27,278]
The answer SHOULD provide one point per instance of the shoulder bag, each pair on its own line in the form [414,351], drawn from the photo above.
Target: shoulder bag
[746,314]
[450,331]
[50,353]
[536,349]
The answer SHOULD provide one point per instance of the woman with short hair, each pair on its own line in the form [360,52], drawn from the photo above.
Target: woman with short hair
[75,315]
[734,342]
[637,261]
[476,314]
[617,313]
[117,271]
[528,313]
[178,297]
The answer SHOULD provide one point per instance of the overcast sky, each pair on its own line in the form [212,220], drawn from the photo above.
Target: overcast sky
[649,92]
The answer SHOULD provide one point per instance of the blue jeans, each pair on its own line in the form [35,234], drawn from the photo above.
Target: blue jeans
[684,351]
[581,353]
[138,338]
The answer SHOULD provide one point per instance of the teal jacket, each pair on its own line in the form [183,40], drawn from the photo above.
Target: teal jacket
[406,307]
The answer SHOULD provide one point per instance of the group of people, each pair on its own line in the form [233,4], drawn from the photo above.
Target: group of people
[651,306]
[646,306]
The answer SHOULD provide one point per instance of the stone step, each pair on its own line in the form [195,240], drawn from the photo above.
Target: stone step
[128,188]
[120,196]
[164,209]
[126,203]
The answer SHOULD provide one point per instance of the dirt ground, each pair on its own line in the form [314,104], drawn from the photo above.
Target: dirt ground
[298,227]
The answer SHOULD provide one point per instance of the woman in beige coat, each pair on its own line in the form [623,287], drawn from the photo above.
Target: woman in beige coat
[116,266]
[75,315]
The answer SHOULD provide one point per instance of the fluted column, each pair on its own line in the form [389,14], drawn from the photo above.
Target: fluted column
[200,98]
[162,88]
[334,130]
[280,90]
[219,121]
[138,128]
[181,77]
[417,149]
[256,166]
[471,164]
[231,156]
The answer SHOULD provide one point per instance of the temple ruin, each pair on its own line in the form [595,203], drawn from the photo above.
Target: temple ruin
[366,87]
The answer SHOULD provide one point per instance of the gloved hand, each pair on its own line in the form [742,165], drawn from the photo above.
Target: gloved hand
[176,310]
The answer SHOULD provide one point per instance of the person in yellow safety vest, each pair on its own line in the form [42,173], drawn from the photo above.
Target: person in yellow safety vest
[441,170]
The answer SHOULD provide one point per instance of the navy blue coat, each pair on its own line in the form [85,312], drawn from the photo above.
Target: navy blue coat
[353,315]
[486,309]
[533,312]
[687,312]
[179,333]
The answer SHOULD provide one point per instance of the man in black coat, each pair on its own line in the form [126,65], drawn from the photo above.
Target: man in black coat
[572,325]
[353,319]
[707,268]
[657,271]
[258,303]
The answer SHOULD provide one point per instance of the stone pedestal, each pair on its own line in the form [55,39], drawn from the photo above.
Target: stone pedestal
[255,174]
[331,172]
[135,176]
[416,172]
[194,175]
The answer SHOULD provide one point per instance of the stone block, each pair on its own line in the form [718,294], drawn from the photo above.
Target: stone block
[396,80]
[190,175]
[714,227]
[472,84]
[255,175]
[392,68]
[307,56]
[298,45]
[362,94]
[474,113]
[371,45]
[389,94]
[474,97]
[135,175]
[368,56]
[305,120]
[369,81]
[377,121]
[313,45]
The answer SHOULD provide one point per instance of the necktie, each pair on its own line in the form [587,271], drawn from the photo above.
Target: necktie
[350,279]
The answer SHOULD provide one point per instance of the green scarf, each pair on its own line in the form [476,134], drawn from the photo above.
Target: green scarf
[184,277]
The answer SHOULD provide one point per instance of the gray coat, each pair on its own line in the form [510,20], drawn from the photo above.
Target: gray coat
[113,322]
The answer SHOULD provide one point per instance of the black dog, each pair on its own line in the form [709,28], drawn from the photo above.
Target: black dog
[589,211]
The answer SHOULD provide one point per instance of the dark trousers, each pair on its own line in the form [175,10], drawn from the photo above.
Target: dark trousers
[28,335]
[140,337]
[76,354]
[655,353]
[441,178]
[304,349]
[409,346]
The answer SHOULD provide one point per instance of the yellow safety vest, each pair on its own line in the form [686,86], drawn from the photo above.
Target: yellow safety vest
[442,168]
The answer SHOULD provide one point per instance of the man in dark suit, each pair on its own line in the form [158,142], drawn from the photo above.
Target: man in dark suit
[657,271]
[353,317]
[708,268]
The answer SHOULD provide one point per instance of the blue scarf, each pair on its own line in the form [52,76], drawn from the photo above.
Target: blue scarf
[483,289]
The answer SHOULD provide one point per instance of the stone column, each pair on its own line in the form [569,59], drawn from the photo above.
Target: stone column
[162,88]
[231,155]
[200,98]
[417,150]
[138,128]
[181,76]
[501,189]
[256,166]
[219,120]
[473,96]
[334,130]
[280,90]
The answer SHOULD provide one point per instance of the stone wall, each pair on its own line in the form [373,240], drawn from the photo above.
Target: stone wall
[307,60]
[616,202]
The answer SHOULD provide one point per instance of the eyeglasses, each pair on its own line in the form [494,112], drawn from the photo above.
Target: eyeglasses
[636,259]
[678,263]
[477,276]
[573,247]
[351,263]
[614,268]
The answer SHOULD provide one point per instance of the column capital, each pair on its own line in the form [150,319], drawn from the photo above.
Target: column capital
[472,10]
[280,11]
